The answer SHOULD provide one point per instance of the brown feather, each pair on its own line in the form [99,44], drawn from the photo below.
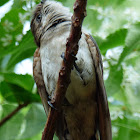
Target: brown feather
[103,109]
[37,73]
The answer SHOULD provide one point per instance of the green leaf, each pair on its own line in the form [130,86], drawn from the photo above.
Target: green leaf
[105,3]
[7,93]
[2,2]
[132,42]
[36,137]
[133,35]
[93,25]
[18,3]
[124,133]
[11,129]
[114,40]
[24,50]
[14,93]
[133,60]
[10,28]
[128,127]
[132,90]
[34,121]
[114,80]
[24,81]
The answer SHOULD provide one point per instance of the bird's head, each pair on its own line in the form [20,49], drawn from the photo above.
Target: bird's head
[49,19]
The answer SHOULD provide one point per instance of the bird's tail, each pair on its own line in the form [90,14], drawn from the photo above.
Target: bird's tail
[62,131]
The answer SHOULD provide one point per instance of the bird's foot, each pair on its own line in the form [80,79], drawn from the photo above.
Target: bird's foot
[50,104]
[63,56]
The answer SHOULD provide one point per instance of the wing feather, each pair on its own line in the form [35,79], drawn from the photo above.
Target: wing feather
[61,126]
[103,109]
[37,73]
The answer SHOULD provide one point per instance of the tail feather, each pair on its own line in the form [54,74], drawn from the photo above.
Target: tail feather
[62,131]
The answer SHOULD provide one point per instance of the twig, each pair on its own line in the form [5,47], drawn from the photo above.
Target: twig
[65,71]
[9,116]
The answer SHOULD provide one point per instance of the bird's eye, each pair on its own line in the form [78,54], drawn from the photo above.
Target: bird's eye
[38,18]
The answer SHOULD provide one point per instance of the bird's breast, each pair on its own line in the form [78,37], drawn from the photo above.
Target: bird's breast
[83,82]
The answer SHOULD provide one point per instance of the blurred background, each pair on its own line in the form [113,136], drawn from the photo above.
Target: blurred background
[115,24]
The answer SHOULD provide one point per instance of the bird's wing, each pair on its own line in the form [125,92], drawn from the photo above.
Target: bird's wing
[37,73]
[103,110]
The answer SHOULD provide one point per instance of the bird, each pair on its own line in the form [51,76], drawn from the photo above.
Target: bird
[80,116]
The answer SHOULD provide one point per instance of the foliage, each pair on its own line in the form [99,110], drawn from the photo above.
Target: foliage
[116,27]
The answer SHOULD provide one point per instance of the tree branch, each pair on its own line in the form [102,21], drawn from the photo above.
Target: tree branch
[65,71]
[9,116]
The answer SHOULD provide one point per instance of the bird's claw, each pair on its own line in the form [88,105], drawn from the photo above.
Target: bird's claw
[74,57]
[63,56]
[51,105]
